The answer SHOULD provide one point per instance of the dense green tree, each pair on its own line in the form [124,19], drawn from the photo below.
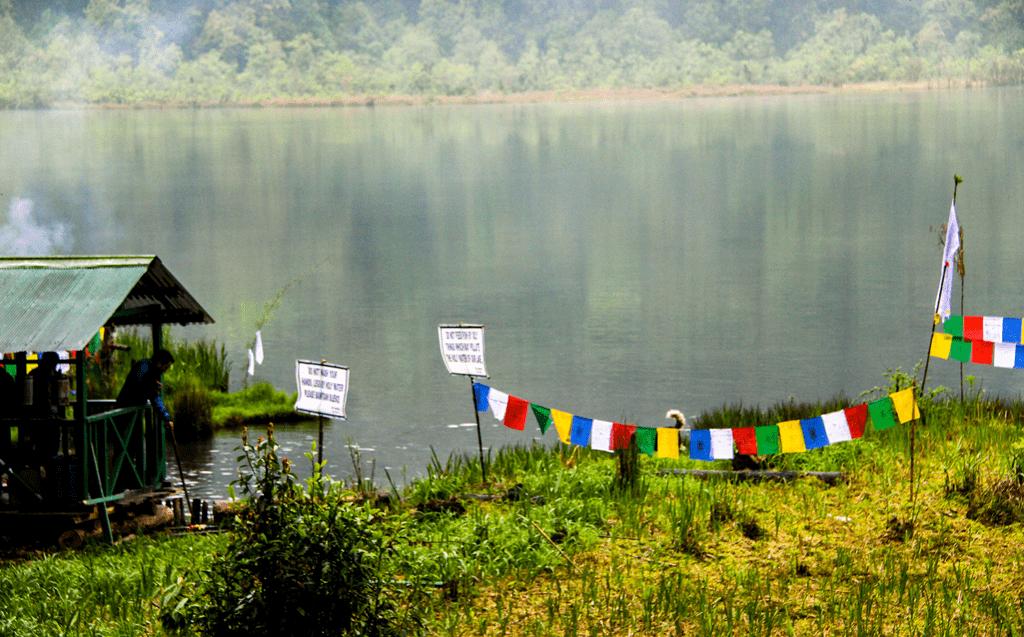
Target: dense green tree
[215,51]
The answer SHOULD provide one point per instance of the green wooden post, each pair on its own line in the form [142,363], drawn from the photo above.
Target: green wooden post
[80,413]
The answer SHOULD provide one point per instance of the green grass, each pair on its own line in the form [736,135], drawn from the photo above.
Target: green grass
[257,403]
[99,591]
[559,547]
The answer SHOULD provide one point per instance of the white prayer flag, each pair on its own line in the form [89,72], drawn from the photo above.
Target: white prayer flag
[259,348]
[252,364]
[992,329]
[63,368]
[601,435]
[837,428]
[948,257]
[498,402]
[721,444]
[1004,355]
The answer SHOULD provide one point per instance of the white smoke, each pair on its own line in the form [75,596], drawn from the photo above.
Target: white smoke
[23,236]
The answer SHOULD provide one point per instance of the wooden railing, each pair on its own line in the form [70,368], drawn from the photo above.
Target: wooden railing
[124,448]
[88,460]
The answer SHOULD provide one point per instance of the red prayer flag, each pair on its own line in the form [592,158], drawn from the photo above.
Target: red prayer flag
[621,435]
[515,413]
[974,328]
[981,352]
[856,418]
[746,440]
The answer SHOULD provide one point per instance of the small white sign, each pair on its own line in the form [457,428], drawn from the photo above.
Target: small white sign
[323,389]
[462,348]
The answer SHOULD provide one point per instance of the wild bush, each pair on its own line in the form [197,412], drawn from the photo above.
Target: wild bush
[301,561]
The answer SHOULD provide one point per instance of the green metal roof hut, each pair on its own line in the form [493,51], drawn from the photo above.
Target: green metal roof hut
[86,453]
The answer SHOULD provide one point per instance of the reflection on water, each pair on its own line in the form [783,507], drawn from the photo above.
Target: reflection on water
[626,258]
[210,464]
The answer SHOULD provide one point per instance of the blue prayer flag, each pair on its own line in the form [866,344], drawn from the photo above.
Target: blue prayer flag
[814,433]
[480,394]
[1011,330]
[1018,360]
[700,444]
[580,433]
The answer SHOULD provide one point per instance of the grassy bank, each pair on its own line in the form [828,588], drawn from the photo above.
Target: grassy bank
[558,96]
[559,544]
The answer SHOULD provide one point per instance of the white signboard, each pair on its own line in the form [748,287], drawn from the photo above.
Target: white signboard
[323,389]
[462,348]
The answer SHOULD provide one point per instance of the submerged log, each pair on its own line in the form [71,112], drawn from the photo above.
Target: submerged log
[828,477]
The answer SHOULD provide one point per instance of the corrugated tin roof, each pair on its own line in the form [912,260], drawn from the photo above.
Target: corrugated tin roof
[59,303]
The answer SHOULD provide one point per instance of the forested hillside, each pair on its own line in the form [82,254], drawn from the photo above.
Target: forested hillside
[239,51]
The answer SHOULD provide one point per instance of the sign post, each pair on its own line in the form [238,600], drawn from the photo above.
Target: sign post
[323,391]
[462,349]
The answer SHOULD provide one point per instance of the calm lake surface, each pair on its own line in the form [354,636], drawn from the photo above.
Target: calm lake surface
[626,258]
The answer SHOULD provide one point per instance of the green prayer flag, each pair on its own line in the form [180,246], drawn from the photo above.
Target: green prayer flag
[543,416]
[954,325]
[883,414]
[646,439]
[960,350]
[767,439]
[95,343]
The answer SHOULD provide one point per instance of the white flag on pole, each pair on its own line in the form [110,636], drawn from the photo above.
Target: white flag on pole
[948,258]
[259,348]
[252,364]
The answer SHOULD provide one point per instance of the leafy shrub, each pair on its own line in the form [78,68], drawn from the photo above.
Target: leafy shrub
[301,560]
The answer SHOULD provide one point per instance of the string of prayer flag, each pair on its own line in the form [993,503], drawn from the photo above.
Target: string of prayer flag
[791,436]
[958,348]
[994,329]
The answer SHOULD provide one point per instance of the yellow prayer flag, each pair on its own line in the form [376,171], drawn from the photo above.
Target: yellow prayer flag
[791,437]
[941,344]
[563,424]
[668,443]
[906,406]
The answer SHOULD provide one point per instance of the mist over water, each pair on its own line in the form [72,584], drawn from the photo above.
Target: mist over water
[24,235]
[625,258]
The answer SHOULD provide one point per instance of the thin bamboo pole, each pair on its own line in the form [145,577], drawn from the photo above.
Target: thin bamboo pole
[479,436]
[919,392]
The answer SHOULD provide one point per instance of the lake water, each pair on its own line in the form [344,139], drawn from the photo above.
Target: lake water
[626,258]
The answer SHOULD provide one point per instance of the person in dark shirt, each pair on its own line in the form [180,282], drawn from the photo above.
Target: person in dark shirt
[144,382]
